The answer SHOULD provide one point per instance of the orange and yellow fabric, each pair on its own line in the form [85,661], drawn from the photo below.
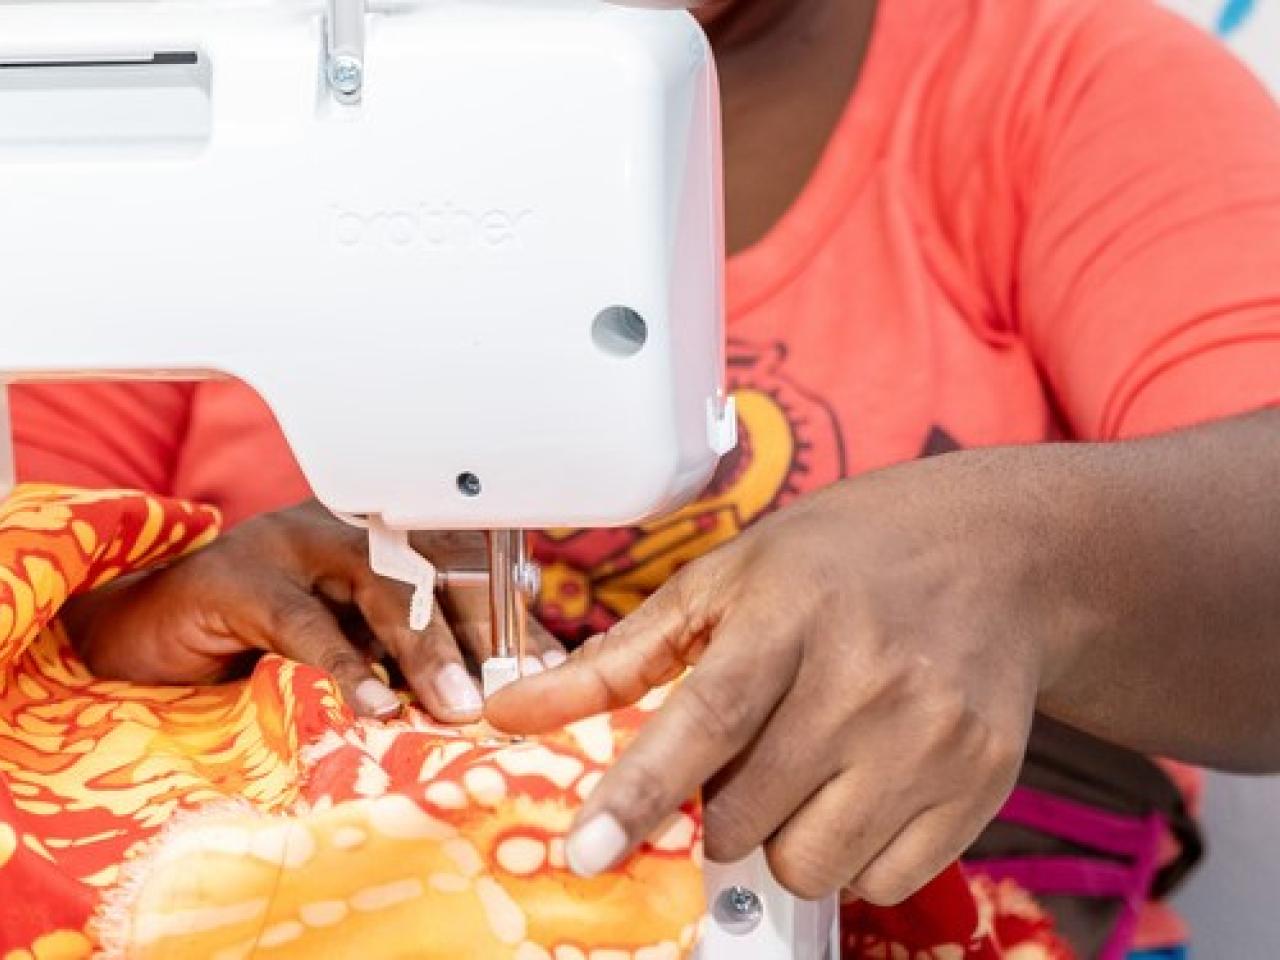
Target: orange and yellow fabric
[262,819]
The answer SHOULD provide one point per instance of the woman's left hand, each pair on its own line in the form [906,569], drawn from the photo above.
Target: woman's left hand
[865,669]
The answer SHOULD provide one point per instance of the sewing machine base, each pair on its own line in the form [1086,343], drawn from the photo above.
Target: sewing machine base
[751,917]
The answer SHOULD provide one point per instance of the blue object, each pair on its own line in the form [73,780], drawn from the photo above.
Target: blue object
[1233,14]
[1167,953]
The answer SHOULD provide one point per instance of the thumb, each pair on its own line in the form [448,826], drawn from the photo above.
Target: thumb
[650,648]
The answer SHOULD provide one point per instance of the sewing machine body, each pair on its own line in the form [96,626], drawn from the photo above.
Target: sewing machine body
[412,282]
[482,291]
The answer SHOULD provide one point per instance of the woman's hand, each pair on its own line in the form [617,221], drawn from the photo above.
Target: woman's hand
[286,582]
[866,663]
[865,669]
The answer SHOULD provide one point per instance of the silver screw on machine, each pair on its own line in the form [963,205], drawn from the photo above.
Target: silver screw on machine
[346,75]
[738,910]
[344,49]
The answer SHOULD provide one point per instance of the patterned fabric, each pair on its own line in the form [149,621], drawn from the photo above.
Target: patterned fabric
[261,819]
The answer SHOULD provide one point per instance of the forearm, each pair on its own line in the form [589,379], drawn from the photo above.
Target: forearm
[900,628]
[1161,565]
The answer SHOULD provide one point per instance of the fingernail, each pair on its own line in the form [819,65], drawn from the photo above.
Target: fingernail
[595,846]
[377,698]
[531,665]
[553,658]
[458,690]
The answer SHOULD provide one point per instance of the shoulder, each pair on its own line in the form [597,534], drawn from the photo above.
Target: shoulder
[977,64]
[1019,69]
[1000,89]
[1036,116]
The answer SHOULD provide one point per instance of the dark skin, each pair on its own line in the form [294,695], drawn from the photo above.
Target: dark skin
[294,582]
[866,663]
[787,70]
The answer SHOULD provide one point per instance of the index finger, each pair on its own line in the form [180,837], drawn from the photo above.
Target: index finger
[648,649]
[708,720]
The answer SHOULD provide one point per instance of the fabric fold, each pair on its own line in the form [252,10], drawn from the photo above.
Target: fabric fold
[262,819]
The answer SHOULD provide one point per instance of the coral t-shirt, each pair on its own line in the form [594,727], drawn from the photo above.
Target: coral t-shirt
[1037,219]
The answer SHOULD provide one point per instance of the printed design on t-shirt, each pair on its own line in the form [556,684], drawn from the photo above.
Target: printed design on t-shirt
[789,443]
[938,442]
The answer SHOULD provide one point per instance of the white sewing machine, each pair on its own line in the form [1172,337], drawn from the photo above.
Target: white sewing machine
[469,251]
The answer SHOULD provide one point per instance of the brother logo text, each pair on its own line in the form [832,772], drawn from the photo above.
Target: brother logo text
[442,227]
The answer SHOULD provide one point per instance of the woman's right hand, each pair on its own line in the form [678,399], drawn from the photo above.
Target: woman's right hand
[284,582]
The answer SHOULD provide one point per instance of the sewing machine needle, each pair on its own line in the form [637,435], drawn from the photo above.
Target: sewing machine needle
[506,609]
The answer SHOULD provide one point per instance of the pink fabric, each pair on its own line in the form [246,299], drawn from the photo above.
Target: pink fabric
[1101,830]
[1137,840]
